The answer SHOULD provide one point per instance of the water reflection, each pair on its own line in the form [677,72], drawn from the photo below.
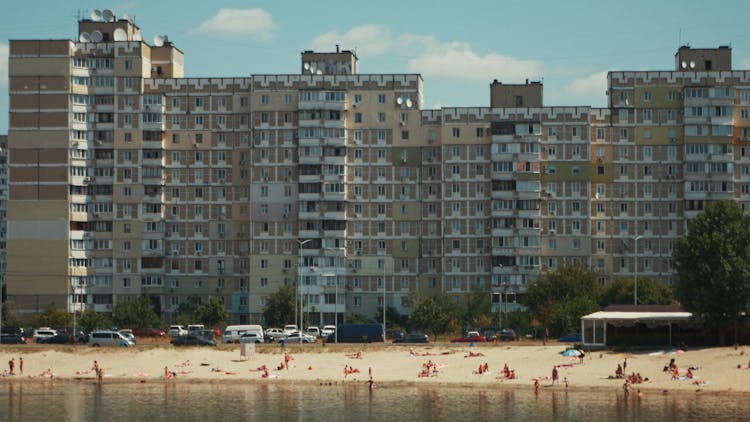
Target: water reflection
[186,402]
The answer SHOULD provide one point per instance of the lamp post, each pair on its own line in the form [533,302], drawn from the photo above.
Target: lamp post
[299,286]
[635,270]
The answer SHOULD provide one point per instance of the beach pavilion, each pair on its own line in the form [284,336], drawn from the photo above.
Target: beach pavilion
[634,324]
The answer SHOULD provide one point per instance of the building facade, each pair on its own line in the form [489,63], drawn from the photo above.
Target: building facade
[128,178]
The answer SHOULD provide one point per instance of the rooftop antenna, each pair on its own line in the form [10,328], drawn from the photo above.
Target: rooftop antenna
[108,15]
[96,36]
[96,15]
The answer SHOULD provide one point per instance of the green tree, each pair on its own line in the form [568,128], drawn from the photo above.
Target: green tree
[187,310]
[212,314]
[476,309]
[713,267]
[138,312]
[53,317]
[91,320]
[279,308]
[650,292]
[434,315]
[560,298]
[393,319]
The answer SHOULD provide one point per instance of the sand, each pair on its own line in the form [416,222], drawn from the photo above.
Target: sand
[717,367]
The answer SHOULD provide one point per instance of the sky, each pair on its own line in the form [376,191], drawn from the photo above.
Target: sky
[458,48]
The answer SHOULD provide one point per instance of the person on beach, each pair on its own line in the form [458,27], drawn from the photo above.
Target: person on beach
[536,385]
[12,366]
[581,356]
[20,365]
[618,371]
[95,367]
[554,375]
[99,374]
[566,382]
[625,365]
[371,384]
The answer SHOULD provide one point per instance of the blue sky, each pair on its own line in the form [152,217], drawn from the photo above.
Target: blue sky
[459,48]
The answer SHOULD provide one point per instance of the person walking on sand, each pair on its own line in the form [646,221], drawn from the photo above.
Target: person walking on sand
[554,374]
[20,364]
[11,366]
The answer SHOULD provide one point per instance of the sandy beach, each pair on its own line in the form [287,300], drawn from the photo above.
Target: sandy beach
[716,369]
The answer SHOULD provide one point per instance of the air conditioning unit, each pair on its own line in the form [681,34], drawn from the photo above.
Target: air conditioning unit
[552,232]
[285,270]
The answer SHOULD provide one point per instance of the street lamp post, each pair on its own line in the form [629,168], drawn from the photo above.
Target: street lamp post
[635,270]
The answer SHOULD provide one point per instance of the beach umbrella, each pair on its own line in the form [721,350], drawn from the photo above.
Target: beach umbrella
[571,352]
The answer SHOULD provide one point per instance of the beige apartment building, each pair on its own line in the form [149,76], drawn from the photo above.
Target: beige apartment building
[128,178]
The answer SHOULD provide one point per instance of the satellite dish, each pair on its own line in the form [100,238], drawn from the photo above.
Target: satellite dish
[120,35]
[96,36]
[127,18]
[108,15]
[96,15]
[692,65]
[408,102]
[158,40]
[306,66]
[84,37]
[399,100]
[684,64]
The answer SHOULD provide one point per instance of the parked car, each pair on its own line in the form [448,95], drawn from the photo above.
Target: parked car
[195,328]
[193,340]
[327,330]
[128,334]
[42,333]
[358,333]
[313,331]
[64,338]
[395,335]
[108,338]
[297,337]
[251,338]
[413,338]
[176,331]
[275,334]
[148,332]
[571,338]
[290,328]
[471,336]
[12,339]
[233,333]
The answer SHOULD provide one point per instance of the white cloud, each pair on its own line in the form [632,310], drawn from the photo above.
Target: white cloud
[254,22]
[431,57]
[369,40]
[3,65]
[587,86]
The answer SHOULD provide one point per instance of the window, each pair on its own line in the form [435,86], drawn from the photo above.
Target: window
[456,132]
[381,98]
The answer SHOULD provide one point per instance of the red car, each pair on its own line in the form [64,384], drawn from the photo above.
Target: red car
[148,332]
[471,336]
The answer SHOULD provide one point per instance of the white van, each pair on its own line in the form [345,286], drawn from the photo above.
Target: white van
[233,333]
[195,328]
[109,338]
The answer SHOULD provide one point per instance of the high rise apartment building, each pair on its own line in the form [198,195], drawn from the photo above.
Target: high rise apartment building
[128,178]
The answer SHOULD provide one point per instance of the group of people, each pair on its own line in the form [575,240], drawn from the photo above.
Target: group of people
[483,369]
[508,373]
[357,355]
[350,370]
[12,367]
[429,369]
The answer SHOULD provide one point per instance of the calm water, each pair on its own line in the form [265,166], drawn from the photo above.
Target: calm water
[186,402]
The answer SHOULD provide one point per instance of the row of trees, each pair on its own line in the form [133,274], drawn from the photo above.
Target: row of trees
[139,312]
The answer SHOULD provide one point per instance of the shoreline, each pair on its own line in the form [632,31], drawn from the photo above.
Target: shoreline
[392,367]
